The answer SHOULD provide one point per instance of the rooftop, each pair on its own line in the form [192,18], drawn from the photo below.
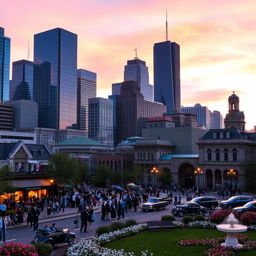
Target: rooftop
[80,141]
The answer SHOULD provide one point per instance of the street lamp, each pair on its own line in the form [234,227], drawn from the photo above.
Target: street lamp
[232,174]
[197,173]
[52,181]
[154,170]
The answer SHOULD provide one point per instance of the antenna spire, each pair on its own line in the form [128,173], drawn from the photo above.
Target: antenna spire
[166,26]
[136,53]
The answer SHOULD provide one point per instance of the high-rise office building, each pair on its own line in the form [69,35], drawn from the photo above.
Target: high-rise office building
[203,114]
[86,89]
[6,117]
[22,73]
[5,44]
[101,120]
[136,70]
[116,88]
[59,48]
[167,75]
[132,111]
[216,120]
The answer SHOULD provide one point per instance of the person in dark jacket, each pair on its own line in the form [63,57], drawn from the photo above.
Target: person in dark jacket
[84,218]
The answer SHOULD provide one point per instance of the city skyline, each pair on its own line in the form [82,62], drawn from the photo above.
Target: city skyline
[217,49]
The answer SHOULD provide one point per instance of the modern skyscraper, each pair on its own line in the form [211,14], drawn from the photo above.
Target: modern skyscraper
[101,120]
[22,71]
[136,70]
[116,88]
[22,92]
[216,120]
[5,44]
[59,47]
[167,75]
[202,114]
[6,117]
[132,111]
[86,89]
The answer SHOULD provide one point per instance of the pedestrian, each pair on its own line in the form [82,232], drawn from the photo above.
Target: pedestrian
[84,219]
[30,217]
[3,226]
[35,214]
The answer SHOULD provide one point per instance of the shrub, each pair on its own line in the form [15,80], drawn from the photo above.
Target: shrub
[43,249]
[15,249]
[168,217]
[199,218]
[248,218]
[116,226]
[103,230]
[218,216]
[187,219]
[129,223]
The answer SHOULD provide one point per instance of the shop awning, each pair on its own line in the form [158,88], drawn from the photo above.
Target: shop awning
[31,184]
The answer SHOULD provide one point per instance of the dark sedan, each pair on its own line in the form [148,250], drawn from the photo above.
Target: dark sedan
[249,207]
[208,202]
[153,204]
[235,201]
[188,208]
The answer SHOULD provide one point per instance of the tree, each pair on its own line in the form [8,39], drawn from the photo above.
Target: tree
[65,169]
[164,177]
[103,176]
[136,174]
[5,186]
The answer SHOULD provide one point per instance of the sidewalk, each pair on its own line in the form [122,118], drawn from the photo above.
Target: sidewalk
[43,218]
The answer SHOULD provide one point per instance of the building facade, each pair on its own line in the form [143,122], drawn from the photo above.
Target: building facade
[203,114]
[22,73]
[86,89]
[132,111]
[59,48]
[116,89]
[6,117]
[101,120]
[216,120]
[167,75]
[136,70]
[5,48]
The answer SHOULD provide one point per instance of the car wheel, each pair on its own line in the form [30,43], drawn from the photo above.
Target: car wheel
[180,214]
[143,210]
[212,207]
[71,240]
[154,209]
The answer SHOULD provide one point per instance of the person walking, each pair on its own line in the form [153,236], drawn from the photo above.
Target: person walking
[3,225]
[84,219]
[35,214]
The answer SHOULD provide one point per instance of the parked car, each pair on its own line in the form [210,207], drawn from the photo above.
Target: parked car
[57,237]
[235,201]
[249,207]
[165,197]
[153,204]
[206,201]
[188,208]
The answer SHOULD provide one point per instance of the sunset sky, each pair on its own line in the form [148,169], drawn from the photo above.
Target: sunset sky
[217,40]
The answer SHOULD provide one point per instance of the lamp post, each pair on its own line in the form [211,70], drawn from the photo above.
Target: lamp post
[197,173]
[154,170]
[232,175]
[52,181]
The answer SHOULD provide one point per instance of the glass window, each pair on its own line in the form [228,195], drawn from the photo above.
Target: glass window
[217,154]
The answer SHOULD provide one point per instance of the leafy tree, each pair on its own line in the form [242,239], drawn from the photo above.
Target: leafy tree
[103,176]
[65,169]
[164,177]
[5,186]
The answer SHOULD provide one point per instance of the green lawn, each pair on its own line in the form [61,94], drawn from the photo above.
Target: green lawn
[165,243]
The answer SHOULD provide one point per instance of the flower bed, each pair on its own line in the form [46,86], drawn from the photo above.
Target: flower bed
[15,249]
[93,246]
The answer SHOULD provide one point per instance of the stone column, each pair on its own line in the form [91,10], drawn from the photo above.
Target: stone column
[213,179]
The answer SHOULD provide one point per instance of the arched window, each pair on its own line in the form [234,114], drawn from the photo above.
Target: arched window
[217,154]
[234,151]
[209,154]
[225,154]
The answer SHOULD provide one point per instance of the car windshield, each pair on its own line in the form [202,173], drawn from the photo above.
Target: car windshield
[249,204]
[152,200]
[195,199]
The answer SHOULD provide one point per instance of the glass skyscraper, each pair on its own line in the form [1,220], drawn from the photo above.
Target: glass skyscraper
[136,70]
[167,75]
[22,71]
[86,89]
[59,48]
[5,44]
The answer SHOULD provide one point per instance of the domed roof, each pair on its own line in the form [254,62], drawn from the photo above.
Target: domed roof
[233,96]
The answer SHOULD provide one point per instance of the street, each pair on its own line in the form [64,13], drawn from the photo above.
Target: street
[26,234]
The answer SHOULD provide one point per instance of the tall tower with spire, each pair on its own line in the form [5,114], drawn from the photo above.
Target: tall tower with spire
[234,117]
[167,73]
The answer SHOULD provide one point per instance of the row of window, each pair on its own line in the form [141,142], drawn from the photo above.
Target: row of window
[225,153]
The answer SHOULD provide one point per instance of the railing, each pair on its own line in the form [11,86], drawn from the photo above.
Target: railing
[25,174]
